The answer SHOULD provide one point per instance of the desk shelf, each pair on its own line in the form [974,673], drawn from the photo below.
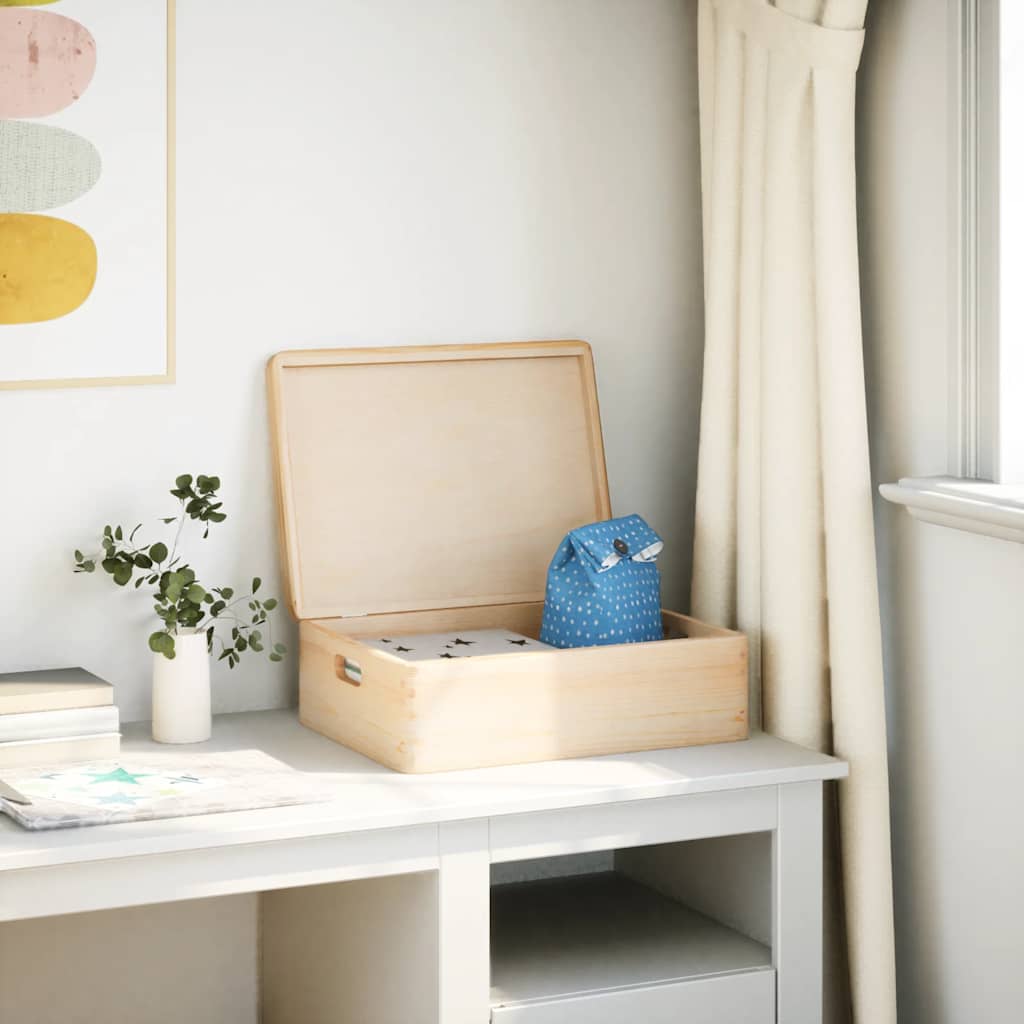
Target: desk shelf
[572,949]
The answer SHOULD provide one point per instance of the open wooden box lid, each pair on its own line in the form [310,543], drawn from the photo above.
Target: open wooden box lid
[432,477]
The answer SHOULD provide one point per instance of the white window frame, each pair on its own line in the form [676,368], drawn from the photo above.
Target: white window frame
[983,490]
[974,221]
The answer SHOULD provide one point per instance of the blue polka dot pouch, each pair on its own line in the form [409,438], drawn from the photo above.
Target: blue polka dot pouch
[604,586]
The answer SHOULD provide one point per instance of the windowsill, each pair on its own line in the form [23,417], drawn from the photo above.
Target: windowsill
[995,510]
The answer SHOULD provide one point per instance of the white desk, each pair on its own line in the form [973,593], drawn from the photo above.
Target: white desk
[446,830]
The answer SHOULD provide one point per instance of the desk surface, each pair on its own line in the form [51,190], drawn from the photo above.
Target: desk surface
[372,797]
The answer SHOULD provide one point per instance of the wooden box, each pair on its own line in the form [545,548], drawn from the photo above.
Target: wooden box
[425,490]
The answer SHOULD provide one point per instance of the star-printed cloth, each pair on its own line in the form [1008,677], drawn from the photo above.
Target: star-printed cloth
[471,643]
[154,786]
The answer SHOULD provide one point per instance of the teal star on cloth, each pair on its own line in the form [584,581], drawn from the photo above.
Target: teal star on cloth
[120,775]
[118,798]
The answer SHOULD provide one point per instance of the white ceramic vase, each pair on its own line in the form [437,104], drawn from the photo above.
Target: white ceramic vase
[181,691]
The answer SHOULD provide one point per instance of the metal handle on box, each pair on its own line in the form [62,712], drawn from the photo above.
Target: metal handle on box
[348,671]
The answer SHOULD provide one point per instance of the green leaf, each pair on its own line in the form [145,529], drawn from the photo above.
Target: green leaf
[169,519]
[119,534]
[270,604]
[241,644]
[139,582]
[107,532]
[158,552]
[175,585]
[160,642]
[280,649]
[122,574]
[79,557]
[110,565]
[227,593]
[143,561]
[208,598]
[276,657]
[256,584]
[183,481]
[89,566]
[195,593]
[217,607]
[217,517]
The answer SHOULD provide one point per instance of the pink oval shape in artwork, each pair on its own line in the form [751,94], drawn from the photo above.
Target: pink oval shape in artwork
[46,62]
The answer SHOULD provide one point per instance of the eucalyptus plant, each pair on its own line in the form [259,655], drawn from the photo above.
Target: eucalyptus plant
[180,600]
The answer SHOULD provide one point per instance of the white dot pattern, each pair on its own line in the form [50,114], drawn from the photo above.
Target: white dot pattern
[598,593]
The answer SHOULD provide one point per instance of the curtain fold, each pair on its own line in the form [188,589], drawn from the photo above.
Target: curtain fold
[784,538]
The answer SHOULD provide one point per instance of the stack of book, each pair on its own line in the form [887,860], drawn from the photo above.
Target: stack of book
[57,716]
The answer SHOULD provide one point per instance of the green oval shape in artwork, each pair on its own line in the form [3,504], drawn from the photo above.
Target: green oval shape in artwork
[42,166]
[47,268]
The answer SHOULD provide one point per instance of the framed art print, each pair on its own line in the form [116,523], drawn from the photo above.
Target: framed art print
[86,192]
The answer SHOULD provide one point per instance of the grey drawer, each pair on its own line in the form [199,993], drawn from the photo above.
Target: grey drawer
[744,998]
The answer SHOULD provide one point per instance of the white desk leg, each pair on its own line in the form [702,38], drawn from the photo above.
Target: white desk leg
[797,897]
[464,905]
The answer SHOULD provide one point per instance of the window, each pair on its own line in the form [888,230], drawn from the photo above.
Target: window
[988,345]
[984,489]
[1006,152]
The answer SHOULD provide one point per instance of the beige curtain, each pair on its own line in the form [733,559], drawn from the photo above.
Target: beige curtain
[784,539]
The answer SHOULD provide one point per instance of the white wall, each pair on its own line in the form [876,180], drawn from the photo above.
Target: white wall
[195,961]
[367,173]
[951,601]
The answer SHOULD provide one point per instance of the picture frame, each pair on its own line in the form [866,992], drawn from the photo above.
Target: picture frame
[110,329]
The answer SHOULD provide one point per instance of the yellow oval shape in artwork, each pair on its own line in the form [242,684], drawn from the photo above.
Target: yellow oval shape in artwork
[47,268]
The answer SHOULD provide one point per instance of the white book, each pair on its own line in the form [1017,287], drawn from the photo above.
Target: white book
[52,725]
[60,751]
[52,690]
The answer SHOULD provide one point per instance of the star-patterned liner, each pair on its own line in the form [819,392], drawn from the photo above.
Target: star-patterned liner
[471,643]
[155,786]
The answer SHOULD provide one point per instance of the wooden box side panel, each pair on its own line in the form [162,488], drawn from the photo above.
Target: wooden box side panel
[544,706]
[372,719]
